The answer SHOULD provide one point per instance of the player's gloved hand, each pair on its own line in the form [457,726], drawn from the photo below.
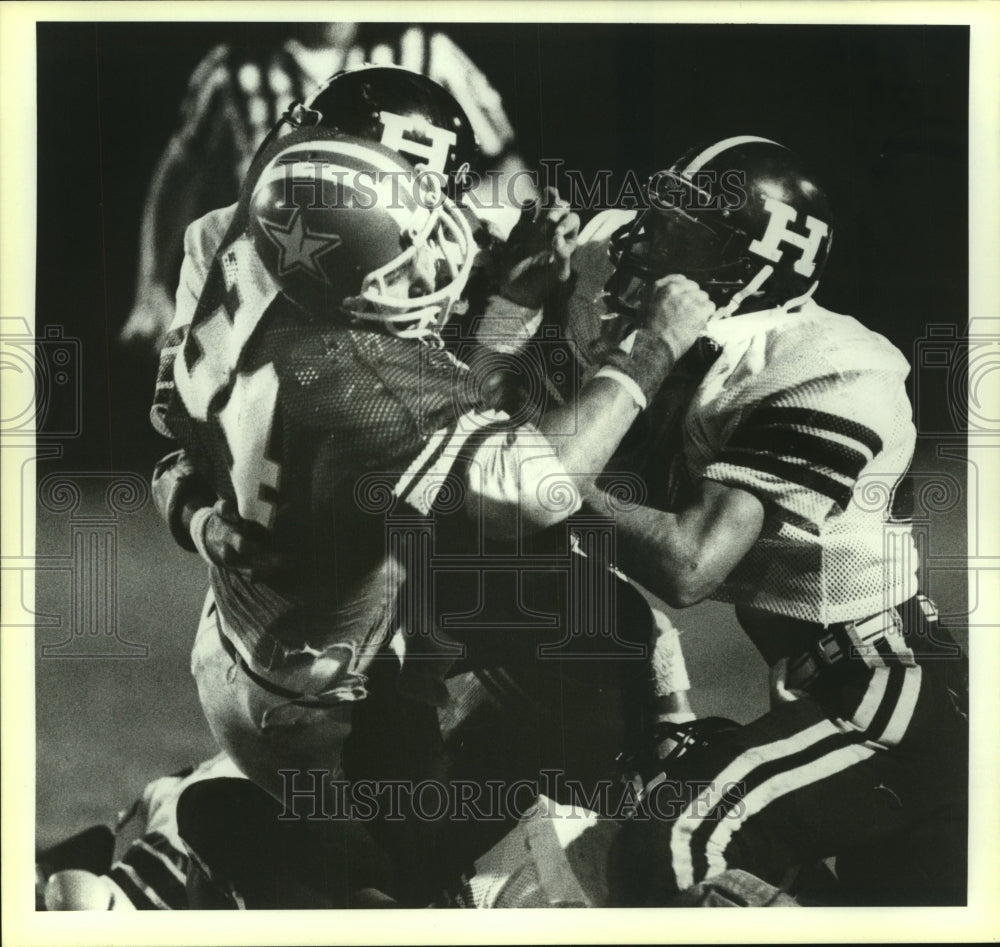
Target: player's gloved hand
[223,538]
[677,310]
[537,256]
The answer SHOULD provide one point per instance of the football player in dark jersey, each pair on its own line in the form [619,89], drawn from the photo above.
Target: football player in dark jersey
[304,357]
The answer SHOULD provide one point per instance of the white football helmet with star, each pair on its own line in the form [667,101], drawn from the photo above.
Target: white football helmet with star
[344,224]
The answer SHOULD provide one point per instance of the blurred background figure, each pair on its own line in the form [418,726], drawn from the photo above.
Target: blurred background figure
[239,91]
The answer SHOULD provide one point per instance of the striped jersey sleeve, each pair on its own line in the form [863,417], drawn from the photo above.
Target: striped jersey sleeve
[804,448]
[809,412]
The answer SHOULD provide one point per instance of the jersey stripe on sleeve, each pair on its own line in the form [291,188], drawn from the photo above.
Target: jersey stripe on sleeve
[813,448]
[820,420]
[799,474]
[822,452]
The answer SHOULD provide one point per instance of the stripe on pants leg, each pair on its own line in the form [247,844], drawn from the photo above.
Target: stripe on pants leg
[683,829]
[886,707]
[903,714]
[775,788]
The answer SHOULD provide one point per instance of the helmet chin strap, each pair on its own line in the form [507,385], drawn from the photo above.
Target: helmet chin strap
[799,300]
[763,274]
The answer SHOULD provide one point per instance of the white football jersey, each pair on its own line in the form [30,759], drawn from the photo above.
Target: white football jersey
[808,411]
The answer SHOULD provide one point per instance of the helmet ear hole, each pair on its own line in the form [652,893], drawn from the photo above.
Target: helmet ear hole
[301,116]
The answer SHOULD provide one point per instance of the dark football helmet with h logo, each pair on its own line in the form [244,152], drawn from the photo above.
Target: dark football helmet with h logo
[361,132]
[741,217]
[404,111]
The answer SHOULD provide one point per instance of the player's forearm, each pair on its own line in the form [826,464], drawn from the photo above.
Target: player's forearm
[683,557]
[582,435]
[586,432]
[505,326]
[522,481]
[661,552]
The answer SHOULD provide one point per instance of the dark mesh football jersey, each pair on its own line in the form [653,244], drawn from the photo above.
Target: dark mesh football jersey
[315,428]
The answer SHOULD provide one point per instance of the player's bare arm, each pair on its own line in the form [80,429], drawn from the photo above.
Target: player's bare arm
[587,433]
[580,437]
[683,557]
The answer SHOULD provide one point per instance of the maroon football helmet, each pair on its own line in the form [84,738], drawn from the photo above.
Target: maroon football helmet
[740,217]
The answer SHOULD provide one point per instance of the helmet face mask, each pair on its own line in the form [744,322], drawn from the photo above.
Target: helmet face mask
[416,293]
[347,227]
[740,217]
[661,242]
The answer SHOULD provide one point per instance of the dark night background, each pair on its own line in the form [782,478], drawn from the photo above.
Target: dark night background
[879,112]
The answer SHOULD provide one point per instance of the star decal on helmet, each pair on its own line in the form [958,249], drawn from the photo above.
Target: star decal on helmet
[300,248]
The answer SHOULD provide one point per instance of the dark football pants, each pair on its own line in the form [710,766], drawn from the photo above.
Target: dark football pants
[872,766]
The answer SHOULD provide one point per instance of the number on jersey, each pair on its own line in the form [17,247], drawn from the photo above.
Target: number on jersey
[247,417]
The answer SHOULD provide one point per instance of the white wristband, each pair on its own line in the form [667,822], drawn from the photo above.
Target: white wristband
[629,384]
[199,523]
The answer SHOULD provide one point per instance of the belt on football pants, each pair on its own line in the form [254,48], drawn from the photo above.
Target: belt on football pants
[295,697]
[877,640]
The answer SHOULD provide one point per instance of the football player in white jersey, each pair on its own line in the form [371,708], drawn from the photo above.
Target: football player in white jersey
[772,468]
[237,93]
[772,458]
